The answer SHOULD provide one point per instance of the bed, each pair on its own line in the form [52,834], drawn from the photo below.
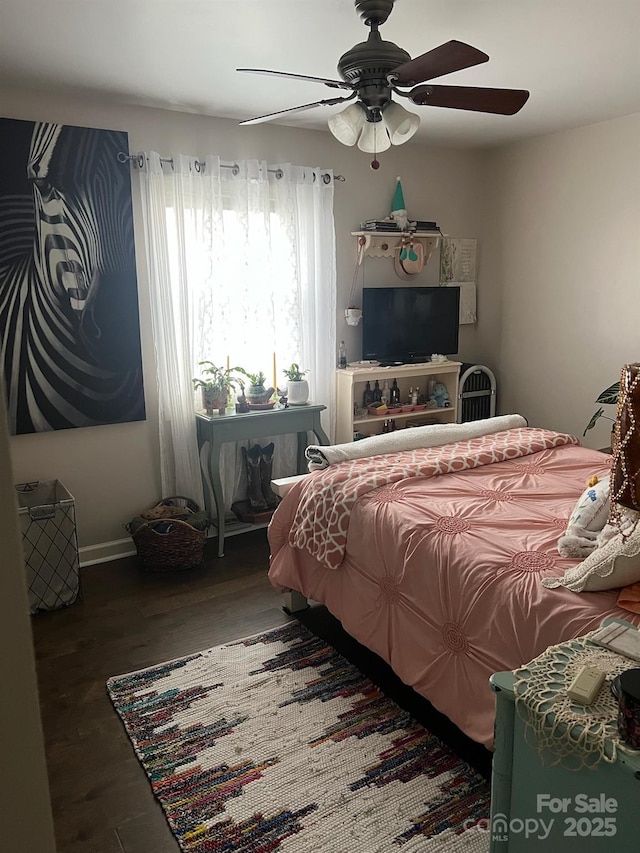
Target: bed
[433,558]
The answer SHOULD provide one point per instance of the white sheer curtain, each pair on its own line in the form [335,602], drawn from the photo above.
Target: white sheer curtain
[242,268]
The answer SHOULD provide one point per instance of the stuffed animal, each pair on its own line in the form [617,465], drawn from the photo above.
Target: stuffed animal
[160,511]
[440,395]
[398,209]
[587,528]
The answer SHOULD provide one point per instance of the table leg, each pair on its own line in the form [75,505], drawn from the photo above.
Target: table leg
[319,432]
[502,764]
[302,446]
[216,483]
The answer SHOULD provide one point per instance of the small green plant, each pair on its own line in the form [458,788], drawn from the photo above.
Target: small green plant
[294,374]
[219,379]
[257,378]
[608,397]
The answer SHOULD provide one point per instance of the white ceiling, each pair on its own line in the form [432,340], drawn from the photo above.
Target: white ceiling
[580,59]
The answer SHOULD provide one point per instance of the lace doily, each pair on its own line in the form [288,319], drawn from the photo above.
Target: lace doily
[566,732]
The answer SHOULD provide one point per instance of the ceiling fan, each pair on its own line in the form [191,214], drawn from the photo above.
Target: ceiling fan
[373,70]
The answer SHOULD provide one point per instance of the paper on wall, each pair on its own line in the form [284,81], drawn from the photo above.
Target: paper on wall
[467,300]
[458,269]
[458,259]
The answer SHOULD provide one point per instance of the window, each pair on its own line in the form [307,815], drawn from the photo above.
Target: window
[243,280]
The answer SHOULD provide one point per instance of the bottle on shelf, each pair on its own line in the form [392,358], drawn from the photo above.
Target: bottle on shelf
[410,397]
[367,397]
[394,397]
[386,393]
[414,396]
[342,355]
[377,393]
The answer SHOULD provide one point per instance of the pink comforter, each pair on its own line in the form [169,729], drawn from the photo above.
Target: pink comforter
[441,574]
[323,513]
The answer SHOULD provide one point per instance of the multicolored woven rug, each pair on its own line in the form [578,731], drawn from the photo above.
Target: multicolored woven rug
[277,743]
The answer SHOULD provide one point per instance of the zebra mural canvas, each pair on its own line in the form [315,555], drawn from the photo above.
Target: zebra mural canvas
[69,323]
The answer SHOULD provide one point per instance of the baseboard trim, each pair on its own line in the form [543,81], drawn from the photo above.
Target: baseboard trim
[106,551]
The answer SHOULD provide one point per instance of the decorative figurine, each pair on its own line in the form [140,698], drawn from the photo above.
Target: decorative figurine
[398,210]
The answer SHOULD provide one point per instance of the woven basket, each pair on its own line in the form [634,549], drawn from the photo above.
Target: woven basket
[169,544]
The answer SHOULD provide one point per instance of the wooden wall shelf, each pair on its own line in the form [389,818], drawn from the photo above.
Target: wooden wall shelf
[383,244]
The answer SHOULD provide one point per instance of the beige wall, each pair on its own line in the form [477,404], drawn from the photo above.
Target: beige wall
[25,811]
[112,471]
[562,264]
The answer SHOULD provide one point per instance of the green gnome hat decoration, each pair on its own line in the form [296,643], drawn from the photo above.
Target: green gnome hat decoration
[398,209]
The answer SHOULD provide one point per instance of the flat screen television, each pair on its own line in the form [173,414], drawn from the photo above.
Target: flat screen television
[404,325]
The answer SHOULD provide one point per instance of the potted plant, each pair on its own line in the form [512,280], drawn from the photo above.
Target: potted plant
[297,386]
[256,392]
[215,383]
[608,397]
[352,315]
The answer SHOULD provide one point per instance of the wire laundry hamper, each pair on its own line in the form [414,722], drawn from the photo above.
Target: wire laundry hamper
[476,393]
[47,518]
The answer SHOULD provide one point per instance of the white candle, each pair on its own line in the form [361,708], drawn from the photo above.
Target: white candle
[275,375]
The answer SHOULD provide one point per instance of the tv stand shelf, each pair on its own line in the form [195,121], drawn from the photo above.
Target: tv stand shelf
[351,383]
[405,416]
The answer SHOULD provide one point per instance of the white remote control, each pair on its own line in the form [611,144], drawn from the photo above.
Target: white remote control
[586,684]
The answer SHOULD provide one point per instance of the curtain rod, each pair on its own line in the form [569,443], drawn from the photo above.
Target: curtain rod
[138,161]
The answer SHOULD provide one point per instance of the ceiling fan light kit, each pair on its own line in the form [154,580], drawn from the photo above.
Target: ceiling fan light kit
[376,69]
[347,125]
[401,124]
[374,138]
[377,132]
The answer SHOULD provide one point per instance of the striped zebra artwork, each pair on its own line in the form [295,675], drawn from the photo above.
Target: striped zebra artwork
[69,322]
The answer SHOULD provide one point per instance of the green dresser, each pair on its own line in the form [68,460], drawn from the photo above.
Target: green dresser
[536,805]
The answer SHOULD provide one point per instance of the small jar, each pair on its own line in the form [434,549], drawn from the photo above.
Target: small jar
[629,707]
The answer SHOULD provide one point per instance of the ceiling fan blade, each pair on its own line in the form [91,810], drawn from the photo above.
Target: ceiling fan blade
[481,100]
[269,116]
[333,84]
[450,56]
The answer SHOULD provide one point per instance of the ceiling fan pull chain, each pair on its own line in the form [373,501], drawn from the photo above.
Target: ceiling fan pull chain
[375,163]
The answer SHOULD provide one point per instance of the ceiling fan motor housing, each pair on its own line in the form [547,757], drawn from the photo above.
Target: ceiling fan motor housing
[367,65]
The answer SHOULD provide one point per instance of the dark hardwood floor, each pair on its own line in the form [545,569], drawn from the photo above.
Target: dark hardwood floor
[129,620]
